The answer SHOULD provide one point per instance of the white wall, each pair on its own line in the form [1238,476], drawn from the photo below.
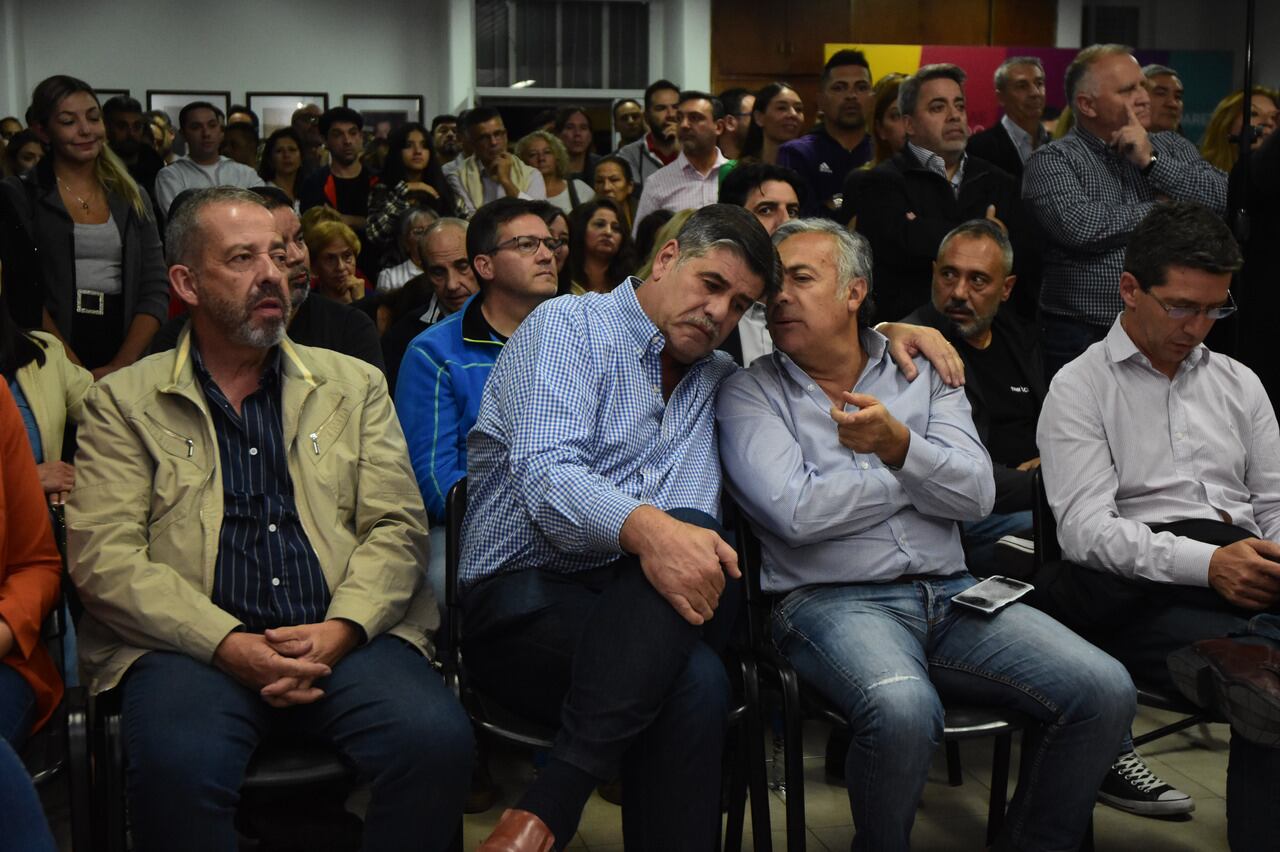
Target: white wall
[422,47]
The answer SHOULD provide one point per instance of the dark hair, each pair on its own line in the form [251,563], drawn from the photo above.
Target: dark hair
[482,231]
[1180,233]
[443,118]
[717,105]
[620,162]
[843,59]
[909,91]
[647,230]
[622,101]
[753,146]
[565,113]
[738,184]
[727,226]
[732,100]
[253,116]
[624,260]
[118,104]
[195,105]
[266,168]
[16,143]
[658,86]
[433,175]
[477,116]
[334,115]
[272,196]
[549,213]
[240,127]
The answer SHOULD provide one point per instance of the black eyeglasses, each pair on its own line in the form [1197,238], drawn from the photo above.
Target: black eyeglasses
[529,245]
[1179,312]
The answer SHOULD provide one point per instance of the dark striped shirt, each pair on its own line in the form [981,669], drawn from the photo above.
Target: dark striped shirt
[267,574]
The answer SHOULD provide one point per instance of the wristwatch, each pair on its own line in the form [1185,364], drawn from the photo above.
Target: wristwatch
[1155,157]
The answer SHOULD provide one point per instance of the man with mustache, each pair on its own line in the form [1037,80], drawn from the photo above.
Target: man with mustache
[659,146]
[826,155]
[319,322]
[248,542]
[912,200]
[854,480]
[1020,90]
[692,180]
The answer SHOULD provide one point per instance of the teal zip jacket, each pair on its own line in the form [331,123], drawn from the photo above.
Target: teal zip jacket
[438,393]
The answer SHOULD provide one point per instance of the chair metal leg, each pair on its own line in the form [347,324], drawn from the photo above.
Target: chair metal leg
[793,719]
[999,787]
[79,768]
[737,781]
[954,776]
[757,777]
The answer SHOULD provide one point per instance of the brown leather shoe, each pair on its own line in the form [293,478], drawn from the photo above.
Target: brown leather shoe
[1241,680]
[519,831]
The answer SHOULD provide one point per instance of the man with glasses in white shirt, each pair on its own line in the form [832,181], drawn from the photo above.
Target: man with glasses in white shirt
[1161,461]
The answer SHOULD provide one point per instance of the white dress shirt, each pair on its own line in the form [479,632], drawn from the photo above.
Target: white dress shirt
[679,186]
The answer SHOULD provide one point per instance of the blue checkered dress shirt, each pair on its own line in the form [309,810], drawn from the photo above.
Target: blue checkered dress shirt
[573,435]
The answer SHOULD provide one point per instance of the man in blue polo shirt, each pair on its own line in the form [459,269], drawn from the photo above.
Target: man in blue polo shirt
[825,156]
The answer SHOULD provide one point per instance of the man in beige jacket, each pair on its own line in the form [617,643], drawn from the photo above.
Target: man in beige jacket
[249,543]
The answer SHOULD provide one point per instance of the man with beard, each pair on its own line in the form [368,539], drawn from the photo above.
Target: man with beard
[658,147]
[825,156]
[319,322]
[737,120]
[233,584]
[1020,89]
[692,180]
[444,134]
[344,184]
[492,171]
[628,120]
[129,137]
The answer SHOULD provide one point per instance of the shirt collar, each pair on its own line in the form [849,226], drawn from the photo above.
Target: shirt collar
[934,163]
[1120,347]
[475,326]
[1022,139]
[651,143]
[270,377]
[875,344]
[683,164]
[642,329]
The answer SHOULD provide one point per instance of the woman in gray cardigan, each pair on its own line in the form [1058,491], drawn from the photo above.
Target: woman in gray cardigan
[97,248]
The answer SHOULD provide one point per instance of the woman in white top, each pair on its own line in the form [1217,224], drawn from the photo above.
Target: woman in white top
[546,153]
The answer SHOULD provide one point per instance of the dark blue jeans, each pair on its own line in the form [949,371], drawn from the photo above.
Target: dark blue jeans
[1064,339]
[190,730]
[22,822]
[632,686]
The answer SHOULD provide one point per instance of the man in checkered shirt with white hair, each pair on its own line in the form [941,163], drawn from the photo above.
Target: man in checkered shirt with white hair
[1091,188]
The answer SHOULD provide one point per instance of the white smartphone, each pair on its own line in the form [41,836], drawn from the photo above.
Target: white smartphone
[992,594]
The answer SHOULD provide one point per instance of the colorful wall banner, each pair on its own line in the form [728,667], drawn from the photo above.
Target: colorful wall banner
[1205,74]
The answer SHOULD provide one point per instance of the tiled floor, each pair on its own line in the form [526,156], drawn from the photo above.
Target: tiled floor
[950,818]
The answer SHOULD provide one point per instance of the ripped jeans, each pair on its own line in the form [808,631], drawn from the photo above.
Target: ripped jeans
[884,653]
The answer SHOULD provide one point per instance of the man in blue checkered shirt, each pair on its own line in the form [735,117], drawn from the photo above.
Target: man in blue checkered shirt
[1092,187]
[597,587]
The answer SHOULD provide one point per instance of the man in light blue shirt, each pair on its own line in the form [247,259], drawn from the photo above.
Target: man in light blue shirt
[854,479]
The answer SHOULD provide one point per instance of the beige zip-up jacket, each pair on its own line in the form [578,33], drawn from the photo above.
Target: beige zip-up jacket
[144,519]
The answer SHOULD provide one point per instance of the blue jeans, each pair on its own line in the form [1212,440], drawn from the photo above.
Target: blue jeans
[190,730]
[1064,339]
[980,539]
[22,822]
[631,685]
[885,653]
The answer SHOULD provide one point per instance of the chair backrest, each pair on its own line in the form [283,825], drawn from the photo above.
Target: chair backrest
[759,603]
[1044,525]
[455,509]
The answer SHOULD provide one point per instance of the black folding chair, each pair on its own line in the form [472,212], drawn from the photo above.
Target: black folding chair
[962,722]
[505,723]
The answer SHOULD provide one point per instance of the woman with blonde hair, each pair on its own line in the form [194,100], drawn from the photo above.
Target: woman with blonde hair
[547,154]
[1220,144]
[334,248]
[106,297]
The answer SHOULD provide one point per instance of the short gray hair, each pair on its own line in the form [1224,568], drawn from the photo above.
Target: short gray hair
[439,225]
[1154,70]
[411,216]
[1084,60]
[183,236]
[976,229]
[1002,73]
[909,91]
[853,252]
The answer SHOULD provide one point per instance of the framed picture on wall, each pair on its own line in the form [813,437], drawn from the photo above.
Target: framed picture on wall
[105,95]
[384,113]
[275,109]
[171,101]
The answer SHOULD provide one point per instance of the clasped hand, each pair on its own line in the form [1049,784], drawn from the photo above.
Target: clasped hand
[283,663]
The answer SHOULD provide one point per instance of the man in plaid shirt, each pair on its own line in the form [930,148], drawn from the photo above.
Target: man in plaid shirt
[1090,189]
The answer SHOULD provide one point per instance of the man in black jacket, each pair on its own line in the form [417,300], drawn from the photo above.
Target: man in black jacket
[1004,375]
[1009,142]
[907,204]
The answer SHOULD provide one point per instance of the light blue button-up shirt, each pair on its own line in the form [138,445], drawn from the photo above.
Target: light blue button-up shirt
[573,435]
[826,514]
